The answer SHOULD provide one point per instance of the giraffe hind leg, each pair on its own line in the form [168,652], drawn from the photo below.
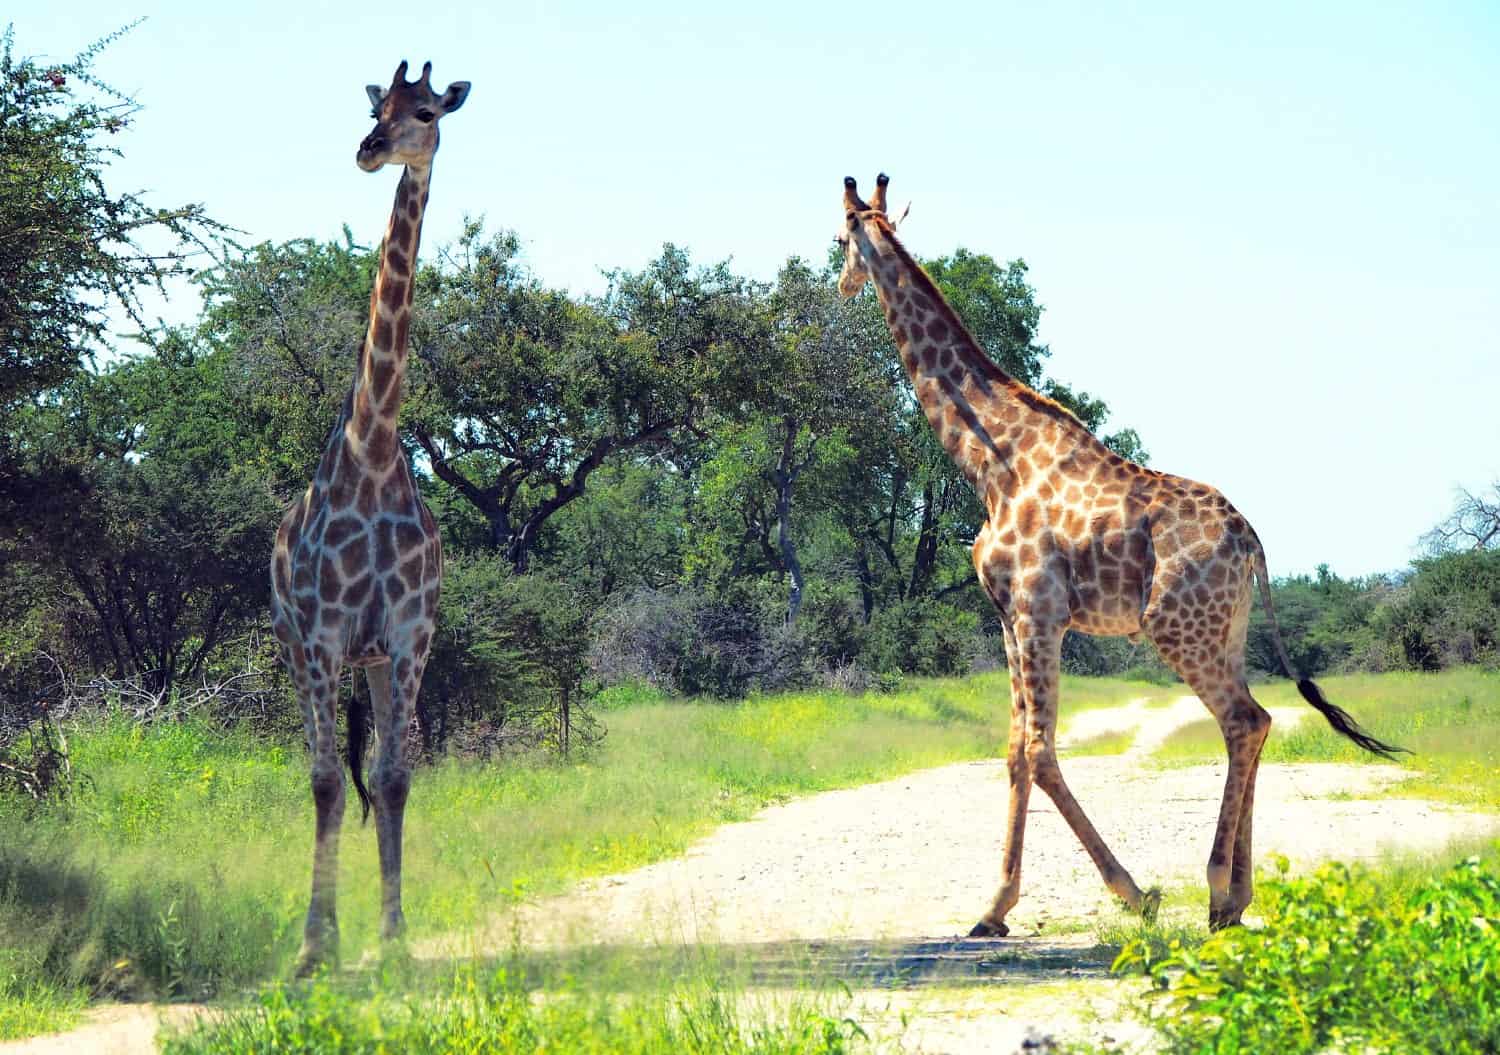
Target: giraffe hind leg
[1245,726]
[1216,674]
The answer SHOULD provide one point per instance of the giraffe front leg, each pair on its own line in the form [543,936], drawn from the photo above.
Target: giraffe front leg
[1041,667]
[992,924]
[320,935]
[393,695]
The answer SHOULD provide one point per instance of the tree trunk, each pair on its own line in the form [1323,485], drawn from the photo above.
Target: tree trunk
[925,557]
[788,546]
[866,580]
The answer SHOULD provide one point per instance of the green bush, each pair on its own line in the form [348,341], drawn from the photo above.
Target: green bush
[1447,614]
[507,660]
[1343,963]
[921,637]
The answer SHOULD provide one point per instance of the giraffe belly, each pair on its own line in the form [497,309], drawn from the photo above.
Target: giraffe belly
[1106,624]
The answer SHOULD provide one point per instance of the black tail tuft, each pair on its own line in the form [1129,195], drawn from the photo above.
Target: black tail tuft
[359,732]
[1343,723]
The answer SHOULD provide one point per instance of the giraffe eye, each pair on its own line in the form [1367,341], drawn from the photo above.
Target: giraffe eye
[425,116]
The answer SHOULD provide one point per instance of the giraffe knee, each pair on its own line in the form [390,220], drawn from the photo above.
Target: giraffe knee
[1248,724]
[393,785]
[328,791]
[1041,760]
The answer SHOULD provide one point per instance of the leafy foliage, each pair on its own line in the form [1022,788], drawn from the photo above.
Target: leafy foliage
[531,393]
[1340,964]
[69,247]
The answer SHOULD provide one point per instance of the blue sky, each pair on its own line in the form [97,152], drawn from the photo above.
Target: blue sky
[1269,237]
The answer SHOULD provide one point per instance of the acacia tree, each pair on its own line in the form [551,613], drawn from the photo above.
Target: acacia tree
[528,393]
[69,246]
[158,549]
[72,249]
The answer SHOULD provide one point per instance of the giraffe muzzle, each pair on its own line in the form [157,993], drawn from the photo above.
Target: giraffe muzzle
[371,150]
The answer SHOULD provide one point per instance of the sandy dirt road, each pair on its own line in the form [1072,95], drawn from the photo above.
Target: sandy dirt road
[918,857]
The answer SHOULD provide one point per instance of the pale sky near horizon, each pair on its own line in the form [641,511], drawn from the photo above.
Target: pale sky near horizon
[1269,238]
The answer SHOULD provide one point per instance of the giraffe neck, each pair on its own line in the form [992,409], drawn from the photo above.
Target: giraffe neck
[999,431]
[370,431]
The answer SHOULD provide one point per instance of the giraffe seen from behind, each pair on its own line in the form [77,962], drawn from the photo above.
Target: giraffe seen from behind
[357,563]
[1076,537]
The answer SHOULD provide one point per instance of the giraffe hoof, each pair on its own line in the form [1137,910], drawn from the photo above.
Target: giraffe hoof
[1150,904]
[985,929]
[1218,921]
[308,964]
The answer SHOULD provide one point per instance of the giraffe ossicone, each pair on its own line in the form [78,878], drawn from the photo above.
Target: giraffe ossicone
[1077,537]
[357,563]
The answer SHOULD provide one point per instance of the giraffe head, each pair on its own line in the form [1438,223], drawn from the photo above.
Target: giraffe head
[856,237]
[406,119]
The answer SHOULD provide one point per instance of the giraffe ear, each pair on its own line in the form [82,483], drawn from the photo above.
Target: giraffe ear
[376,94]
[454,97]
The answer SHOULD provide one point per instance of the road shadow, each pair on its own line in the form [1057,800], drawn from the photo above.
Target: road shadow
[857,963]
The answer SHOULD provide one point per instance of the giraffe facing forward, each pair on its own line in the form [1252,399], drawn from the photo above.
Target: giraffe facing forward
[357,564]
[1076,537]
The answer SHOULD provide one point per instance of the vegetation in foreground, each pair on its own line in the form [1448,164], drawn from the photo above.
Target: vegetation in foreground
[1346,961]
[1450,721]
[498,1011]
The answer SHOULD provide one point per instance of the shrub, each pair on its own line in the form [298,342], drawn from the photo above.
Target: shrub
[921,637]
[687,641]
[1113,657]
[1344,964]
[1448,613]
[507,662]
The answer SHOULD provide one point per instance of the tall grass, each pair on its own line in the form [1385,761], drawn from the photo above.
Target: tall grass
[477,1009]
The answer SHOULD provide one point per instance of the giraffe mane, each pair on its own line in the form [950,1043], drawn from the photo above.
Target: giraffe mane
[1020,389]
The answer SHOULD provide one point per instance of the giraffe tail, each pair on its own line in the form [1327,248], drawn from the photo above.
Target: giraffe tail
[1341,720]
[359,734]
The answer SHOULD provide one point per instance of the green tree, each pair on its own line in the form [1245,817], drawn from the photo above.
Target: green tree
[528,393]
[826,372]
[1447,612]
[288,321]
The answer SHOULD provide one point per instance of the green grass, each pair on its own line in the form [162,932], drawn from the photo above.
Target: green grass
[1450,721]
[481,1010]
[29,1006]
[1114,742]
